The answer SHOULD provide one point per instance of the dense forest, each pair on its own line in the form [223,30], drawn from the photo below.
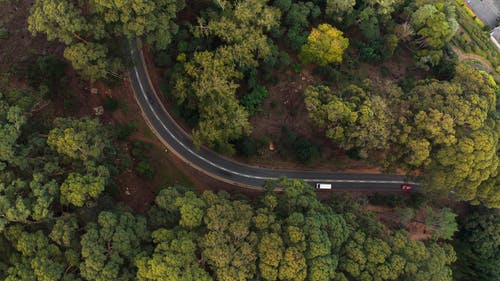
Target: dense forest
[438,122]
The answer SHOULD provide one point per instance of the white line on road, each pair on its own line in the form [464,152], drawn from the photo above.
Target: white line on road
[143,92]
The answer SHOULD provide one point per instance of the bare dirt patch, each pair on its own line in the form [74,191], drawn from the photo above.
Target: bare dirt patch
[13,16]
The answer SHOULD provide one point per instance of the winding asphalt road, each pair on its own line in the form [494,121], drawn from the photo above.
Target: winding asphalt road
[179,142]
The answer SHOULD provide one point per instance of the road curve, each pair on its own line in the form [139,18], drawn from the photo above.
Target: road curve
[179,142]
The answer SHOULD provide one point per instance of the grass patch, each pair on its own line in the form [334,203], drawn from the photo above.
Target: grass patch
[166,172]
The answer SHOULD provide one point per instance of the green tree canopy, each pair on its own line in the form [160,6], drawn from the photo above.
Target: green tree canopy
[434,25]
[325,45]
[338,8]
[478,246]
[38,173]
[209,81]
[174,258]
[110,246]
[353,118]
[89,28]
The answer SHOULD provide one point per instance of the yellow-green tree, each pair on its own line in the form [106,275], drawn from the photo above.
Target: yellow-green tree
[325,45]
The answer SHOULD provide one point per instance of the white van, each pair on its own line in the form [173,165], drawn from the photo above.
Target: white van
[323,186]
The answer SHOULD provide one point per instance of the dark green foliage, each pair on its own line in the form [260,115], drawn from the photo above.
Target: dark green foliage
[110,103]
[273,104]
[478,246]
[143,167]
[328,72]
[386,200]
[145,170]
[297,67]
[416,200]
[370,52]
[289,137]
[296,18]
[407,84]
[139,149]
[369,25]
[189,114]
[43,71]
[248,146]
[390,45]
[123,131]
[4,33]
[353,153]
[306,151]
[445,70]
[253,100]
[296,38]
[163,58]
[283,5]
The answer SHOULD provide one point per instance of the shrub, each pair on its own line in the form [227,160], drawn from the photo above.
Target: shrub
[329,73]
[390,45]
[370,52]
[284,59]
[283,5]
[297,67]
[145,170]
[416,200]
[42,71]
[183,46]
[406,84]
[123,131]
[139,149]
[445,69]
[246,146]
[110,103]
[386,200]
[253,100]
[124,163]
[290,137]
[4,33]
[384,71]
[295,38]
[306,151]
[162,58]
[353,153]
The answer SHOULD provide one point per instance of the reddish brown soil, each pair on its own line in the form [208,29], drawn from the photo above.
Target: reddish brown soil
[20,43]
[396,68]
[417,229]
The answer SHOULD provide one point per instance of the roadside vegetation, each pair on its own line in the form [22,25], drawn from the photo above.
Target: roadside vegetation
[88,193]
[474,37]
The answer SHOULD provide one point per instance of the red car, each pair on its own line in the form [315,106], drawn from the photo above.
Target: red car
[405,187]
